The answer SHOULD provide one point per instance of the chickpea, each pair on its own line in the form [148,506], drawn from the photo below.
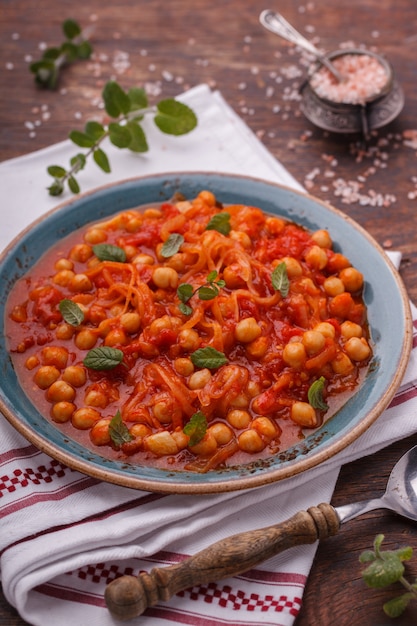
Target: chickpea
[31,362]
[143,259]
[265,427]
[352,279]
[242,238]
[177,262]
[258,348]
[60,391]
[116,310]
[161,323]
[96,314]
[61,412]
[95,235]
[85,418]
[189,339]
[134,223]
[19,313]
[163,412]
[130,252]
[251,441]
[85,339]
[130,322]
[238,419]
[326,329]
[64,331]
[322,239]
[316,257]
[241,401]
[309,286]
[46,376]
[303,414]
[183,366]
[313,341]
[81,252]
[294,269]
[333,286]
[357,348]
[208,197]
[63,277]
[54,355]
[180,438]
[96,397]
[232,277]
[221,432]
[199,379]
[64,264]
[253,389]
[342,364]
[161,443]
[275,225]
[152,213]
[116,337]
[140,430]
[165,277]
[100,433]
[350,329]
[337,262]
[206,447]
[294,354]
[75,375]
[80,283]
[247,330]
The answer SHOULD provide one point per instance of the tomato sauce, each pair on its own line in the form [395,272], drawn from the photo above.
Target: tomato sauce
[190,335]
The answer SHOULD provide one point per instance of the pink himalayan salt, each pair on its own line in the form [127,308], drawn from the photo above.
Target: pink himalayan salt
[365,79]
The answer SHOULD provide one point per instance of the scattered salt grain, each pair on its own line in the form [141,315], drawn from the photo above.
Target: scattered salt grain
[28,58]
[9,66]
[166,75]
[15,36]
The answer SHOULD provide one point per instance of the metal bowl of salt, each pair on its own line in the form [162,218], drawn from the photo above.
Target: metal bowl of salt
[347,90]
[368,98]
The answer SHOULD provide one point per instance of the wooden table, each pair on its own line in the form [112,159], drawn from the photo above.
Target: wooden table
[170,46]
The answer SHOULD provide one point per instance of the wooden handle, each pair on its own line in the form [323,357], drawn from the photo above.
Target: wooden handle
[129,596]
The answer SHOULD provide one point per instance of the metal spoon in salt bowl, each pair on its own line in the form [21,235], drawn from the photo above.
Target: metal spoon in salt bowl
[129,596]
[278,25]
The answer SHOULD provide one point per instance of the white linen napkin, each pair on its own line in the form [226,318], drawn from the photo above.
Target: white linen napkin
[65,535]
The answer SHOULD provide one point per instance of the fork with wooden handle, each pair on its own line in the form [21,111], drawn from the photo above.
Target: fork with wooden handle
[129,596]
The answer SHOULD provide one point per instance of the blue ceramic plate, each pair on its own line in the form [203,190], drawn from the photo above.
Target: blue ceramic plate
[385,296]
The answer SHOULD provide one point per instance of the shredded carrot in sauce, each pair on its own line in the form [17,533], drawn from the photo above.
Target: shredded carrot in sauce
[216,335]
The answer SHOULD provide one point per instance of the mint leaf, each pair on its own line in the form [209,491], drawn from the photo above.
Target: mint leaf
[109,252]
[119,135]
[118,431]
[185,309]
[71,312]
[71,29]
[280,281]
[172,245]
[185,292]
[116,101]
[81,139]
[383,572]
[208,357]
[103,358]
[101,159]
[315,394]
[174,118]
[207,293]
[138,141]
[220,222]
[397,606]
[196,428]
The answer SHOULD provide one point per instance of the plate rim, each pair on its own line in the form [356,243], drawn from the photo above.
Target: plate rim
[278,474]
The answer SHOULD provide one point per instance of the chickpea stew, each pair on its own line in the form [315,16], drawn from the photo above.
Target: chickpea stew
[190,335]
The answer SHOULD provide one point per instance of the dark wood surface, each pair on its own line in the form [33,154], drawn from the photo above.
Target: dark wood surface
[170,46]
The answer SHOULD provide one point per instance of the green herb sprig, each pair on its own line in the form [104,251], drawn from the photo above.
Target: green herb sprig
[127,110]
[76,46]
[386,567]
[196,428]
[208,291]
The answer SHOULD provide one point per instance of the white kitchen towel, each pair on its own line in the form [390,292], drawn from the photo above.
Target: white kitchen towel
[64,535]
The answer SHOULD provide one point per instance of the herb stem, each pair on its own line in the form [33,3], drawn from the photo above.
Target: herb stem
[410,588]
